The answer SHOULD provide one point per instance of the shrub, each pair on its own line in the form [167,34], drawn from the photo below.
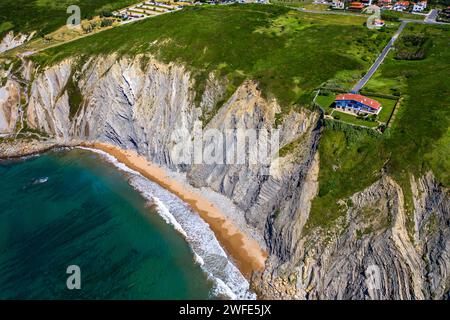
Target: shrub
[412,47]
[106,23]
[106,14]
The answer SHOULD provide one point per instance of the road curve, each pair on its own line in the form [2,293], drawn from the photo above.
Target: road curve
[361,83]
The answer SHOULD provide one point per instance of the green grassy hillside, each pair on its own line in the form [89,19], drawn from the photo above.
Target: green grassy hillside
[45,16]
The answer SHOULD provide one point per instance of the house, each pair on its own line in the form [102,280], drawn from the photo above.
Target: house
[356,103]
[420,6]
[339,5]
[378,23]
[400,5]
[357,6]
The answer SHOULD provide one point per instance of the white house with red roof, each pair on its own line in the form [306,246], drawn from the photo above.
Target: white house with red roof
[420,6]
[338,4]
[357,103]
[401,5]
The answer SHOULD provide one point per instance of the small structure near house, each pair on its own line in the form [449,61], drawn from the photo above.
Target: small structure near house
[356,103]
[378,23]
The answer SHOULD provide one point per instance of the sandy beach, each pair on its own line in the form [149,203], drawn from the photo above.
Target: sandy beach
[245,251]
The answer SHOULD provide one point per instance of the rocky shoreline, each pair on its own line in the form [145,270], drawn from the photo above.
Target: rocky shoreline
[10,149]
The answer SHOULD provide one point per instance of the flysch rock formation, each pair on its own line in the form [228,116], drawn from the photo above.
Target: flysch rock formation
[11,41]
[142,104]
[9,106]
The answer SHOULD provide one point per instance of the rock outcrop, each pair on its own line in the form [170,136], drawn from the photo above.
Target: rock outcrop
[11,41]
[369,254]
[9,106]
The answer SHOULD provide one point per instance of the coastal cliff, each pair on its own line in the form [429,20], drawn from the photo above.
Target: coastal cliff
[11,40]
[139,103]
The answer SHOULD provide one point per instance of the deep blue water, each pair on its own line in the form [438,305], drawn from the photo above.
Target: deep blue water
[71,208]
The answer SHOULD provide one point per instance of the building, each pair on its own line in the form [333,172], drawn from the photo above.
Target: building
[357,6]
[420,6]
[339,5]
[357,103]
[378,23]
[366,2]
[400,5]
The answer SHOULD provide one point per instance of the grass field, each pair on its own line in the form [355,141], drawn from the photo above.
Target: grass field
[396,15]
[419,139]
[289,53]
[292,3]
[45,16]
[387,108]
[326,101]
[351,119]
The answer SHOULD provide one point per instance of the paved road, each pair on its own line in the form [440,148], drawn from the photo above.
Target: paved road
[361,83]
[431,17]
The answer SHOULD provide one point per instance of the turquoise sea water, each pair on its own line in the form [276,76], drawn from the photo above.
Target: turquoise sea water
[71,208]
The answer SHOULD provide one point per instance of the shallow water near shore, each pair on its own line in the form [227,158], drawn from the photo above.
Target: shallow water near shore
[71,208]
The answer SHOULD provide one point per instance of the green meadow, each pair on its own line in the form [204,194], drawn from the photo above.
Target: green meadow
[45,16]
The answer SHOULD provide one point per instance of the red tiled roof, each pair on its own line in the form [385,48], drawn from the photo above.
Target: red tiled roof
[357,97]
[356,5]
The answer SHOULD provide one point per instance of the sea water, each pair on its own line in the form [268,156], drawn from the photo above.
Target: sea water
[71,207]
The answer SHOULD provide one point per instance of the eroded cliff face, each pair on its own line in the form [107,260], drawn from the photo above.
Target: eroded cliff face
[9,106]
[148,106]
[142,104]
[370,254]
[11,40]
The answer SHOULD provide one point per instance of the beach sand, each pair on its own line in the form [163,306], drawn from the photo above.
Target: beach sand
[244,251]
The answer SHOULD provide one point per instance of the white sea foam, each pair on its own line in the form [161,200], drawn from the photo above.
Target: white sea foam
[228,282]
[112,159]
[165,214]
[40,180]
